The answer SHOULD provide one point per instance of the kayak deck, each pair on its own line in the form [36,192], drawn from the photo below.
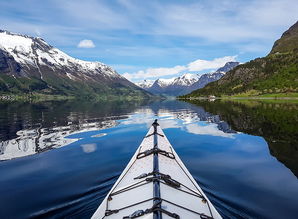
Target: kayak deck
[156,184]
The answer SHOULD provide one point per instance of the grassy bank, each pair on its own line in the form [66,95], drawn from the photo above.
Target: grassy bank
[293,96]
[269,95]
[33,97]
[38,97]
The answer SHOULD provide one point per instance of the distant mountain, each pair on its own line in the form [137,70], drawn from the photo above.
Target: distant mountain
[210,77]
[145,84]
[30,65]
[275,74]
[173,86]
[185,83]
[170,87]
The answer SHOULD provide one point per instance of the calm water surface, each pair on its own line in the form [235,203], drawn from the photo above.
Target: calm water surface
[60,159]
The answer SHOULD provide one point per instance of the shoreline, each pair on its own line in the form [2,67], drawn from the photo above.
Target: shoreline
[239,98]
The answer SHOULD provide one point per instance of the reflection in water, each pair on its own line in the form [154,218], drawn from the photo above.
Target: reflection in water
[196,121]
[207,129]
[99,135]
[235,169]
[89,148]
[35,140]
[42,139]
[215,123]
[26,129]
[274,121]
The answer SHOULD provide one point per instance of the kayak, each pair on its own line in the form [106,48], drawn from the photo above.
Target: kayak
[156,184]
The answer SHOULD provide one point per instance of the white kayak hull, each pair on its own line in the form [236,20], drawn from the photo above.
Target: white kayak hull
[156,184]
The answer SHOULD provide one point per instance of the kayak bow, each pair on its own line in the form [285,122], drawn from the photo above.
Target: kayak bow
[156,184]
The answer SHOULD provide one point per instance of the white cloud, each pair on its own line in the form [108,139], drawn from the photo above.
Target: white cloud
[118,25]
[95,14]
[227,21]
[214,21]
[165,71]
[155,72]
[200,64]
[86,44]
[197,65]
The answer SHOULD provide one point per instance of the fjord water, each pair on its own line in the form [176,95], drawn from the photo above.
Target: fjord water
[59,159]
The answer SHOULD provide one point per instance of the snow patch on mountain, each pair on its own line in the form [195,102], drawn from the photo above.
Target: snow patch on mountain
[185,83]
[164,82]
[145,84]
[34,51]
[186,79]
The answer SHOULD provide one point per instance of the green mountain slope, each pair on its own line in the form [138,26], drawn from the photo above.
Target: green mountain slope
[62,86]
[277,73]
[29,66]
[288,41]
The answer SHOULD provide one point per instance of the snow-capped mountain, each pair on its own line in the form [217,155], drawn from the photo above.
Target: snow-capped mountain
[35,52]
[185,83]
[164,82]
[51,70]
[186,79]
[213,76]
[145,84]
[173,86]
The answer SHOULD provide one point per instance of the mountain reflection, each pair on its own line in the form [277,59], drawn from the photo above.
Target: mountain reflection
[229,147]
[26,129]
[201,115]
[275,121]
[40,127]
[42,139]
[192,119]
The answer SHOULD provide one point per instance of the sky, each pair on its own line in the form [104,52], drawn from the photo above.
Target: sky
[153,39]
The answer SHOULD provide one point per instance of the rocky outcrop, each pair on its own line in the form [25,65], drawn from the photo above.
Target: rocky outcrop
[8,64]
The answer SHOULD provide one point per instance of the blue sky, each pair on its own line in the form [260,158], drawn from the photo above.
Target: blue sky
[149,39]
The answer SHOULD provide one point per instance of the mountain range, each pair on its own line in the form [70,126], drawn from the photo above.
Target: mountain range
[186,83]
[273,75]
[29,65]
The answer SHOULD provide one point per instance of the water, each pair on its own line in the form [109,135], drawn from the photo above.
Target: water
[59,159]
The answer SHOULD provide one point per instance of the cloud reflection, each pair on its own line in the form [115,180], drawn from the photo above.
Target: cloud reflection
[207,129]
[89,148]
[199,123]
